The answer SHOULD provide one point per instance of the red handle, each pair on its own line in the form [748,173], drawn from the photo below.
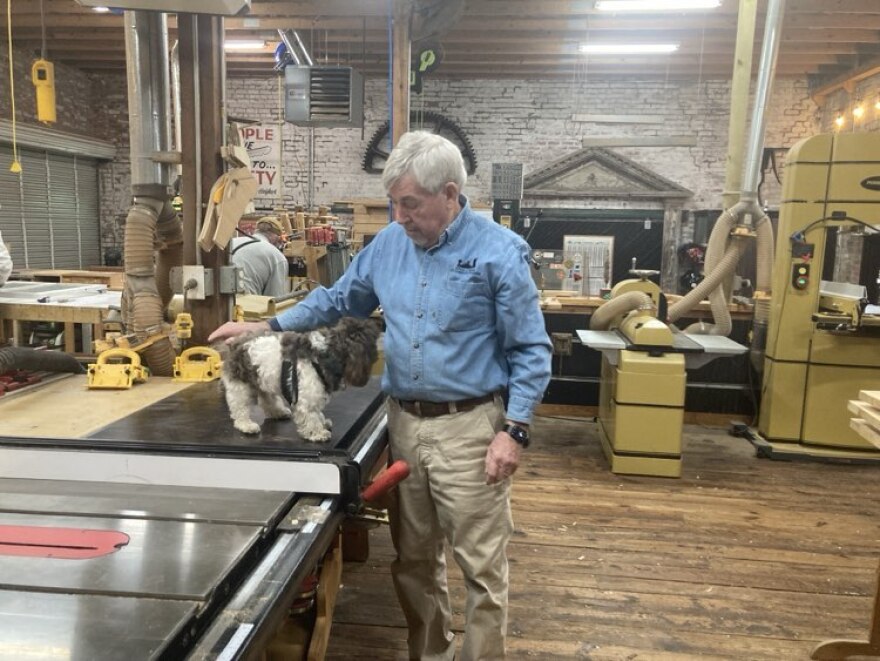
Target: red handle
[387,479]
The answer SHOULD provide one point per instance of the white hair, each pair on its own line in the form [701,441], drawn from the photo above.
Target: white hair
[430,159]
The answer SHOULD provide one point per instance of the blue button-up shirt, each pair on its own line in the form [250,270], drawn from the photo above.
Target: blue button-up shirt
[462,318]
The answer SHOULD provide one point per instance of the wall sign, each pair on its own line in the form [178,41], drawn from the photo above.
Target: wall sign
[263,144]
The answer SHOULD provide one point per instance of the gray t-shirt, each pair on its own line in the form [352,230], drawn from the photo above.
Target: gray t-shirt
[263,267]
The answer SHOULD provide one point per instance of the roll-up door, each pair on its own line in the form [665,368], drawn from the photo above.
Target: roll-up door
[49,213]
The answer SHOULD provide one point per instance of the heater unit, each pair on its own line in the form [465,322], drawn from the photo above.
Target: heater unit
[323,96]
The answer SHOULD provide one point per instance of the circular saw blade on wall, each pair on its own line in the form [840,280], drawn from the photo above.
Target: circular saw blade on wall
[378,150]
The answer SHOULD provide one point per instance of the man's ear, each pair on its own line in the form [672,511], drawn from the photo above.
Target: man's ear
[450,190]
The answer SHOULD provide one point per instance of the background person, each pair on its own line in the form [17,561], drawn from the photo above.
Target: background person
[263,267]
[463,331]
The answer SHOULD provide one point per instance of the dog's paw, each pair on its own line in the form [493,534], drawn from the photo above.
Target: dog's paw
[319,436]
[247,426]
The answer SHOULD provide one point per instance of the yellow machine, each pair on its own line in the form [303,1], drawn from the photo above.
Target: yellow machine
[642,389]
[823,345]
[641,396]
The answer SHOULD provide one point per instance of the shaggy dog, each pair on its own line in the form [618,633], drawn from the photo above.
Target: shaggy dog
[280,370]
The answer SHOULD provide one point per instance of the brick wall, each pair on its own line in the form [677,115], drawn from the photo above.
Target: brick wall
[506,121]
[531,122]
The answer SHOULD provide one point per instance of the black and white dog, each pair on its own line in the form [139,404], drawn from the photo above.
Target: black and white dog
[298,370]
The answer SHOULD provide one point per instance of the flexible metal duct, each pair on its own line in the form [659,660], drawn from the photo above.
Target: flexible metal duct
[606,313]
[146,47]
[724,251]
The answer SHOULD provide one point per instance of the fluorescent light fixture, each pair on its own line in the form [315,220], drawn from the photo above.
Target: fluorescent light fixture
[101,10]
[244,44]
[655,5]
[628,49]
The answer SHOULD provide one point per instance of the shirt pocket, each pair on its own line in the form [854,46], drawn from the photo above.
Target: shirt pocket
[465,302]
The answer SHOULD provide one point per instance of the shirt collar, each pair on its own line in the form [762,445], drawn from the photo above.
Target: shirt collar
[456,227]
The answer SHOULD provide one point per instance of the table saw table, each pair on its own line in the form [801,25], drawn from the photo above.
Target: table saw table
[166,533]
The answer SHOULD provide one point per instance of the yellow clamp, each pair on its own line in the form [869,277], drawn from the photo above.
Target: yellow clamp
[183,324]
[197,364]
[109,372]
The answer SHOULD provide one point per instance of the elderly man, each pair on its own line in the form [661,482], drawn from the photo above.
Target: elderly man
[259,257]
[467,359]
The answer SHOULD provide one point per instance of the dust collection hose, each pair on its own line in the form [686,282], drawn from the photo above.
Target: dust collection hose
[141,303]
[619,305]
[38,360]
[722,256]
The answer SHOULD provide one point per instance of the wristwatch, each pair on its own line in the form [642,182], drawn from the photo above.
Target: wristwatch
[518,434]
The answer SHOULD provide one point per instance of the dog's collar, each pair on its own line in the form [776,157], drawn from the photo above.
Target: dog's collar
[288,382]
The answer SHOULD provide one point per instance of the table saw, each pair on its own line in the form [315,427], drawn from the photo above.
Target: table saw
[165,533]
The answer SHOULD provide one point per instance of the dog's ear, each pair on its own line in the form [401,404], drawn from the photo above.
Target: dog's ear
[360,338]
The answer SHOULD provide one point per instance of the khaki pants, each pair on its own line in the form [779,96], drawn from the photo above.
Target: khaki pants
[446,498]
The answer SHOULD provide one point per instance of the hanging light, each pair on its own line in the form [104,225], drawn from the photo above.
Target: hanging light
[244,44]
[858,110]
[628,49]
[840,120]
[655,5]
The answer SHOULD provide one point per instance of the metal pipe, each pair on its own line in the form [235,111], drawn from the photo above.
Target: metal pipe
[285,38]
[766,73]
[146,48]
[175,98]
[305,53]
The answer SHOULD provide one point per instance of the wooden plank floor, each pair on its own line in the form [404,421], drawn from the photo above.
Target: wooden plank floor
[742,558]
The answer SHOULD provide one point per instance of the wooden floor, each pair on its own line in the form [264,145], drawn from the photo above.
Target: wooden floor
[741,558]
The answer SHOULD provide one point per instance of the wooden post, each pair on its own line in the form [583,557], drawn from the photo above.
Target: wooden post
[400,68]
[202,124]
[739,101]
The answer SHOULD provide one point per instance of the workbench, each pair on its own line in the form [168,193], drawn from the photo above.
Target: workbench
[158,531]
[68,304]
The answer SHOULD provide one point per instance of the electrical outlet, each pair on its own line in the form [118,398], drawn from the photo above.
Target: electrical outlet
[561,343]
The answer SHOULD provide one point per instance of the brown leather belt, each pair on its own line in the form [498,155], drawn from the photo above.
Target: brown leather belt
[424,409]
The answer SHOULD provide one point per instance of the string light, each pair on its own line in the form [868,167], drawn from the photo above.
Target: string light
[858,109]
[877,103]
[840,119]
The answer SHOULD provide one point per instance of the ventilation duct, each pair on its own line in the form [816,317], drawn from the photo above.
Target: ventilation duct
[323,96]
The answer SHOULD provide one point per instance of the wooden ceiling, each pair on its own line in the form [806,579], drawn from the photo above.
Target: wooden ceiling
[828,40]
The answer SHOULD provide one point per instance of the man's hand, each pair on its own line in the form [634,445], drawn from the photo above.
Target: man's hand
[232,329]
[502,458]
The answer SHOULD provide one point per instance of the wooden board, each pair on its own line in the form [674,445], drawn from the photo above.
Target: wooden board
[114,280]
[68,409]
[867,411]
[872,397]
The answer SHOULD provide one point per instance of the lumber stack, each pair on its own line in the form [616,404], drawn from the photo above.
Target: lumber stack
[866,410]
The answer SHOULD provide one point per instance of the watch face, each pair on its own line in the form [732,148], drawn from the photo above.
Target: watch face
[518,434]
